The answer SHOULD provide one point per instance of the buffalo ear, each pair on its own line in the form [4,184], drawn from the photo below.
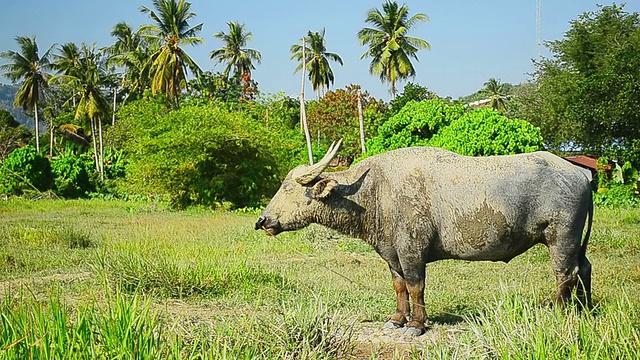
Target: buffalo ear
[323,188]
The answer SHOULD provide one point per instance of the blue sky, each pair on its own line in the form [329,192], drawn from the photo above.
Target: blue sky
[471,41]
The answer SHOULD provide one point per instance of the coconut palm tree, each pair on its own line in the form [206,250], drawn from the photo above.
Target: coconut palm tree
[496,92]
[27,65]
[171,30]
[89,76]
[234,52]
[317,60]
[390,48]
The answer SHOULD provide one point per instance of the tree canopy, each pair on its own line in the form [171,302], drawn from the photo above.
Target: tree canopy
[588,91]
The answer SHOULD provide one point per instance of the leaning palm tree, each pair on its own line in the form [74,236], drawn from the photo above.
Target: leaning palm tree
[317,61]
[390,48]
[171,30]
[27,65]
[496,92]
[234,52]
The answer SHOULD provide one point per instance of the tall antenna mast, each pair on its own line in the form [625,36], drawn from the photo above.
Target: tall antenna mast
[538,27]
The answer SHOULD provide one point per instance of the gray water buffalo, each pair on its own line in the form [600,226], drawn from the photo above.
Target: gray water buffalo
[418,205]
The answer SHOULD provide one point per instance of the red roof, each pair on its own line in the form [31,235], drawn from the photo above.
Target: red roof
[585,161]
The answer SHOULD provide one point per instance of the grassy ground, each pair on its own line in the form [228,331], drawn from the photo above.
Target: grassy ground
[95,279]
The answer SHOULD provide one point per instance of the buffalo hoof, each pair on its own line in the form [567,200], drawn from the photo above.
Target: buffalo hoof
[393,325]
[413,331]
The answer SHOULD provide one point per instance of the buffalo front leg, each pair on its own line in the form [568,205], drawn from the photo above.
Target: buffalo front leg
[399,318]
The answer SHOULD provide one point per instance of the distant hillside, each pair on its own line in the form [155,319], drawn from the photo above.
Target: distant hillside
[7,95]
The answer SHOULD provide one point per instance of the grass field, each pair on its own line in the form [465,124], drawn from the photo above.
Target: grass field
[106,280]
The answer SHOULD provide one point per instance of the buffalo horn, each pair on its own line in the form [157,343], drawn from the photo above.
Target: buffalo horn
[313,171]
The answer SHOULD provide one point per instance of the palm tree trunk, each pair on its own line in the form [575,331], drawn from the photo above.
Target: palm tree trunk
[303,113]
[95,146]
[35,109]
[361,120]
[115,94]
[51,138]
[101,150]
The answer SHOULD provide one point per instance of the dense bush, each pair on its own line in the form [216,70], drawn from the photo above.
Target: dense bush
[74,175]
[201,154]
[413,125]
[25,170]
[485,132]
[616,195]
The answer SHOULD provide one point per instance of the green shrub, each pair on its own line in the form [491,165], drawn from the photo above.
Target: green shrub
[74,175]
[201,155]
[413,125]
[485,132]
[616,195]
[25,170]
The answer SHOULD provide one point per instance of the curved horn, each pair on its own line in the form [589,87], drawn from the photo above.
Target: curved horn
[313,171]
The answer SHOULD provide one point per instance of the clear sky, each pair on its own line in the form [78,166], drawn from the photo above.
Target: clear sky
[471,41]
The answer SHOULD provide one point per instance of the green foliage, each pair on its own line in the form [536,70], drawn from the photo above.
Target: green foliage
[411,92]
[413,125]
[587,93]
[485,132]
[12,134]
[74,175]
[335,116]
[25,170]
[616,195]
[200,154]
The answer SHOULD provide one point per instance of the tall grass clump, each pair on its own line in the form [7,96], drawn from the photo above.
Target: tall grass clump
[167,272]
[300,331]
[123,327]
[28,249]
[513,327]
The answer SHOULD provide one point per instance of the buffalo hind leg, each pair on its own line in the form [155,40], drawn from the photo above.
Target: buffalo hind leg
[399,318]
[565,268]
[414,274]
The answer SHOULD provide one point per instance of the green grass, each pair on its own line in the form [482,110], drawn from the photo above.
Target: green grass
[111,279]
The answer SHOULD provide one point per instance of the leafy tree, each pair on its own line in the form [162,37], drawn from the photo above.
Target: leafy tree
[27,65]
[170,63]
[390,48]
[234,52]
[411,92]
[413,125]
[485,132]
[591,85]
[335,116]
[12,134]
[317,60]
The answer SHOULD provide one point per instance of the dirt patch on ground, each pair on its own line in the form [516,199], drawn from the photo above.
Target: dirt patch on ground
[373,339]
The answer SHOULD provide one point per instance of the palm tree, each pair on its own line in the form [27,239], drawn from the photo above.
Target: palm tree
[496,92]
[89,76]
[317,60]
[234,52]
[131,52]
[390,48]
[171,30]
[27,65]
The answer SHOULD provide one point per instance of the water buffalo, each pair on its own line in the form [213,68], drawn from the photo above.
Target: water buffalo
[418,205]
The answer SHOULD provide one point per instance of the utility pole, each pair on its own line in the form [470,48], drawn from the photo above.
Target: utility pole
[538,27]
